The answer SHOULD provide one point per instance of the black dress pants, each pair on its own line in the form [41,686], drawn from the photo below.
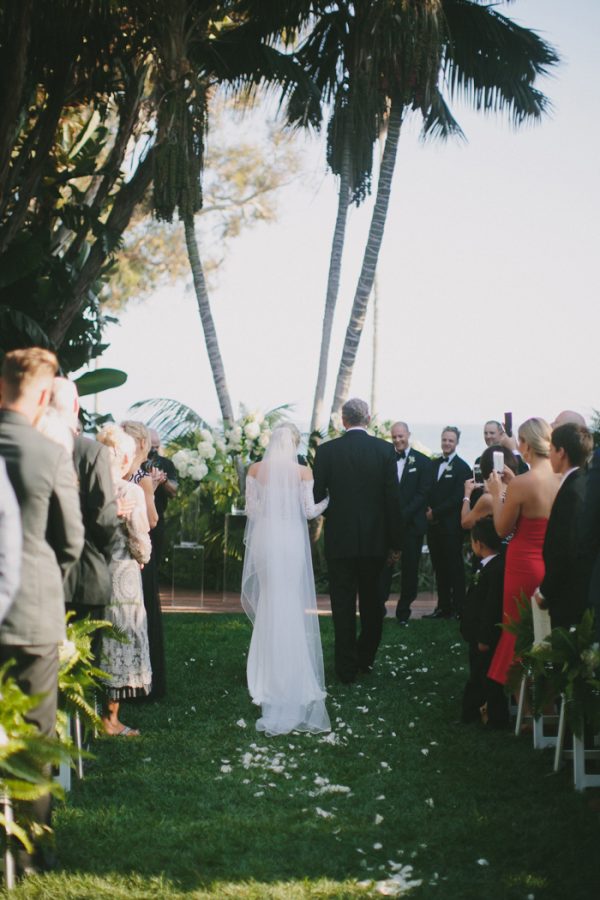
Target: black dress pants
[480,689]
[446,550]
[347,577]
[412,545]
[35,670]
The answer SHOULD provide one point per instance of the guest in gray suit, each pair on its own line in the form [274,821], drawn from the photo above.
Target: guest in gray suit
[10,543]
[88,585]
[44,482]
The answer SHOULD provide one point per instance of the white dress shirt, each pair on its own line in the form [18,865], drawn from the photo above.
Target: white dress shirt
[444,465]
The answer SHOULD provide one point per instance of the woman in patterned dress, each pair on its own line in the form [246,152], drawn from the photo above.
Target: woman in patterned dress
[127,664]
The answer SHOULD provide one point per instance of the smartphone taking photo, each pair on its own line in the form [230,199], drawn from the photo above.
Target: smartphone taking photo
[498,462]
[508,423]
[477,476]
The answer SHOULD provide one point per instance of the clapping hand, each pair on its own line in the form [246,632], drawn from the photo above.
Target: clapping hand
[157,476]
[125,506]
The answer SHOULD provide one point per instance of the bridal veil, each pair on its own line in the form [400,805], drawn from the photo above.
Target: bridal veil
[285,660]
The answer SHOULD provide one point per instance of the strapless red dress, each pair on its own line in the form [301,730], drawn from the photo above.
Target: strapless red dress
[524,572]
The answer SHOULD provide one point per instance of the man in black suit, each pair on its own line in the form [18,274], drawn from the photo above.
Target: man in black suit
[88,585]
[358,472]
[564,586]
[43,479]
[589,533]
[165,491]
[444,532]
[415,476]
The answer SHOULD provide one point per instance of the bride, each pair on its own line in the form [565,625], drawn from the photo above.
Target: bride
[285,661]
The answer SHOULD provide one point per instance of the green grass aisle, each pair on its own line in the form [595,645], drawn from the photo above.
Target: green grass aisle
[203,806]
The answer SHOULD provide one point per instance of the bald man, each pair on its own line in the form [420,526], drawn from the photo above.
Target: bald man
[568,416]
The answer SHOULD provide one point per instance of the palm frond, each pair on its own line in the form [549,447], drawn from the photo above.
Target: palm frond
[493,62]
[171,418]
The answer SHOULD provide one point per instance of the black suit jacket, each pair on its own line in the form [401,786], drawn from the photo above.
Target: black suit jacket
[564,581]
[482,611]
[359,474]
[415,486]
[89,582]
[445,498]
[589,538]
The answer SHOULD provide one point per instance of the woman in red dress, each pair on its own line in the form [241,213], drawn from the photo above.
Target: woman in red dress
[525,511]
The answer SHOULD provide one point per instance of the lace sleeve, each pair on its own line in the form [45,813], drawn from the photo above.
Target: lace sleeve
[138,528]
[312,509]
[252,497]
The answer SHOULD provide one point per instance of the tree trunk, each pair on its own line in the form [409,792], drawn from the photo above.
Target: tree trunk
[371,256]
[333,285]
[208,325]
[13,74]
[375,360]
[129,195]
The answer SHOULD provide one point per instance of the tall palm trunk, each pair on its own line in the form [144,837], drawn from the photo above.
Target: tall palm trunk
[371,256]
[333,286]
[375,347]
[208,324]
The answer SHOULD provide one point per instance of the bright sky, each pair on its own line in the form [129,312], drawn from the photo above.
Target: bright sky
[488,274]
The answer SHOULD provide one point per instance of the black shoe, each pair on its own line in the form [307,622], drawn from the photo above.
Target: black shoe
[402,622]
[438,614]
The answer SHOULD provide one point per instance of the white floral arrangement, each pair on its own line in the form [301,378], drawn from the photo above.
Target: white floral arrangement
[247,437]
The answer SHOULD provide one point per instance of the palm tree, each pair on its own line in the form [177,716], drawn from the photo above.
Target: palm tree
[346,53]
[471,50]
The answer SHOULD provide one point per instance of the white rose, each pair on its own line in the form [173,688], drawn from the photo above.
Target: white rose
[206,435]
[206,450]
[198,471]
[252,430]
[264,439]
[66,650]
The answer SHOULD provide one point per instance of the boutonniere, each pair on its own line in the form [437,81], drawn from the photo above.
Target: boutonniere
[411,460]
[475,580]
[449,467]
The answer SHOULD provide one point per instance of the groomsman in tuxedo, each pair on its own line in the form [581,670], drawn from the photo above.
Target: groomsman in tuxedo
[358,473]
[43,478]
[564,587]
[444,532]
[415,476]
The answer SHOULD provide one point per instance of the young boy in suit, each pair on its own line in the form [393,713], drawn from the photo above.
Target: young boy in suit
[480,627]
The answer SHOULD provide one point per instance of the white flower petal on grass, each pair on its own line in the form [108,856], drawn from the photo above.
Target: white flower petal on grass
[430,802]
[240,723]
[323,813]
[425,751]
[384,765]
[482,862]
[226,769]
[259,793]
[378,819]
[411,724]
[377,846]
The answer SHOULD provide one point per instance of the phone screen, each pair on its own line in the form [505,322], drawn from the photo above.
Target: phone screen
[508,423]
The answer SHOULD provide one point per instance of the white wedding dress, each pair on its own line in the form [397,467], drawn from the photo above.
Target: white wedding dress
[285,660]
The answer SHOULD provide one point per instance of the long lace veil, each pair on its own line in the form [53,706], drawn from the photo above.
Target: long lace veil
[285,664]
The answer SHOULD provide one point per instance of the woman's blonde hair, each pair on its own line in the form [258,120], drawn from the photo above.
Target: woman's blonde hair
[536,433]
[119,442]
[139,432]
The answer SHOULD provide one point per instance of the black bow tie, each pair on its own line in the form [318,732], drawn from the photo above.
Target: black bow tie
[445,458]
[400,454]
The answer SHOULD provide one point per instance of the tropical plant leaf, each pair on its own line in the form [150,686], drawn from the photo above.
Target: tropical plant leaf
[99,380]
[170,418]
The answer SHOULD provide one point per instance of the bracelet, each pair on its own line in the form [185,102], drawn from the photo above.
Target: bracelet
[468,499]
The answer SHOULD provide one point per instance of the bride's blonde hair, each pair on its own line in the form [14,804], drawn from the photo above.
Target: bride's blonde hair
[289,426]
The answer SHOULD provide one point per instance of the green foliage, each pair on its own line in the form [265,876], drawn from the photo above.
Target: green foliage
[567,663]
[79,679]
[25,754]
